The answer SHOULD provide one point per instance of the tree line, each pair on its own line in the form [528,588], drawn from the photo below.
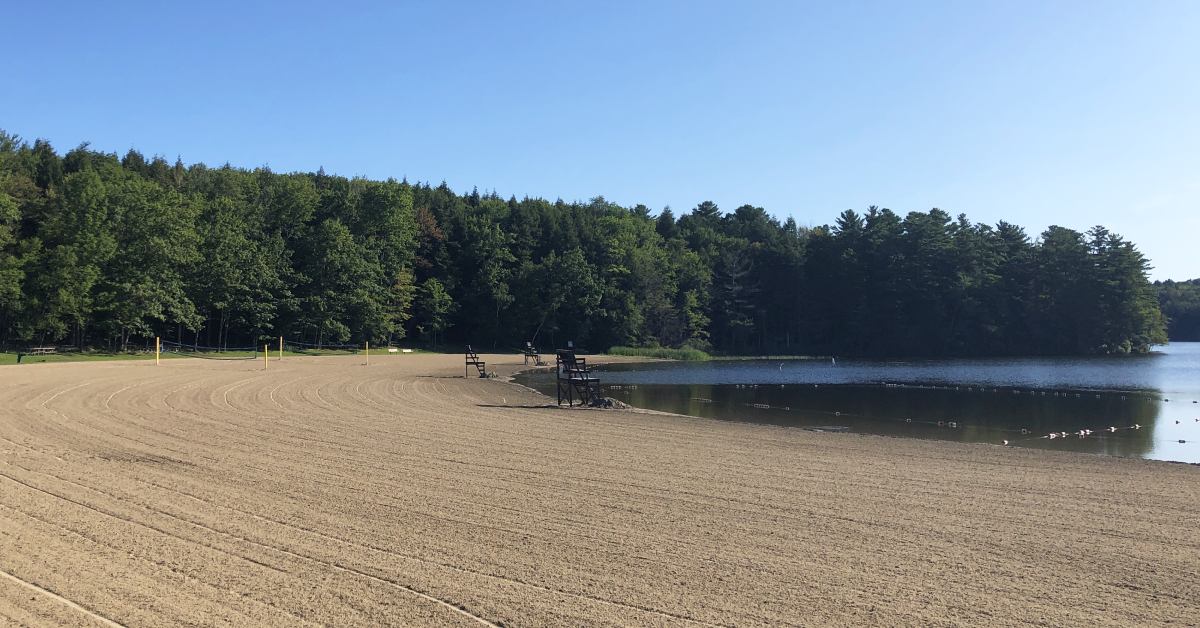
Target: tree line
[1180,302]
[98,250]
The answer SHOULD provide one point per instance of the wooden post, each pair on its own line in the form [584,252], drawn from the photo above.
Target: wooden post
[281,347]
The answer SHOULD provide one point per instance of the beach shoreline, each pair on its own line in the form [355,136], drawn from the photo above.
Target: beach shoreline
[601,360]
[403,493]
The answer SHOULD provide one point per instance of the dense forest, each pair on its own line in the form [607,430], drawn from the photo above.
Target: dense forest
[1180,302]
[103,251]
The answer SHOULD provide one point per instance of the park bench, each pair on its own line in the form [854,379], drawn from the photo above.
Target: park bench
[43,350]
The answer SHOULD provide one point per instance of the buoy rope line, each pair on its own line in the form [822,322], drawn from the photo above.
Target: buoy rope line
[1064,393]
[1028,433]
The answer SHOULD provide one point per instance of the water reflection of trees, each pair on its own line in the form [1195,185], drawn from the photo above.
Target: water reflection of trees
[980,414]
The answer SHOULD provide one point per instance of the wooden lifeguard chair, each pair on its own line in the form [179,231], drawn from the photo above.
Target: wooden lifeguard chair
[531,353]
[574,378]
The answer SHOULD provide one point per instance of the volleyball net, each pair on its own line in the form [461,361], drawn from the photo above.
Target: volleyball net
[210,353]
[310,348]
[270,349]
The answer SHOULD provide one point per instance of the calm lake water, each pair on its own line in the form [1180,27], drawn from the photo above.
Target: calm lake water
[1020,400]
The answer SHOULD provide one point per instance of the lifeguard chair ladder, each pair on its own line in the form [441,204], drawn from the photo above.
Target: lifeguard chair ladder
[473,360]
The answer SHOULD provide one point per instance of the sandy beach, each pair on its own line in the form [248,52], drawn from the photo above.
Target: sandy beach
[325,492]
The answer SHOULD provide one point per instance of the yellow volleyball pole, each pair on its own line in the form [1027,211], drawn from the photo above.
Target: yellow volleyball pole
[157,349]
[281,347]
[265,354]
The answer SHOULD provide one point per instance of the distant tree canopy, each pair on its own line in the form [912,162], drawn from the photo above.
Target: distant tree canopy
[1180,301]
[102,251]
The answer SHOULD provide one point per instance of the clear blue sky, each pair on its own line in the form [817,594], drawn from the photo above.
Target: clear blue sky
[1071,113]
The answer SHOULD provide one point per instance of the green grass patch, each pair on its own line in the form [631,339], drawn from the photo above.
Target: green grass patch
[691,355]
[96,356]
[74,356]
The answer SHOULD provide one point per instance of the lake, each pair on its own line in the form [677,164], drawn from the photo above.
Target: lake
[1143,406]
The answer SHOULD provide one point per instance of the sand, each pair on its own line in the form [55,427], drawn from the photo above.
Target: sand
[325,492]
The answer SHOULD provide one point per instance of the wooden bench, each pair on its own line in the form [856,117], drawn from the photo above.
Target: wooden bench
[43,350]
